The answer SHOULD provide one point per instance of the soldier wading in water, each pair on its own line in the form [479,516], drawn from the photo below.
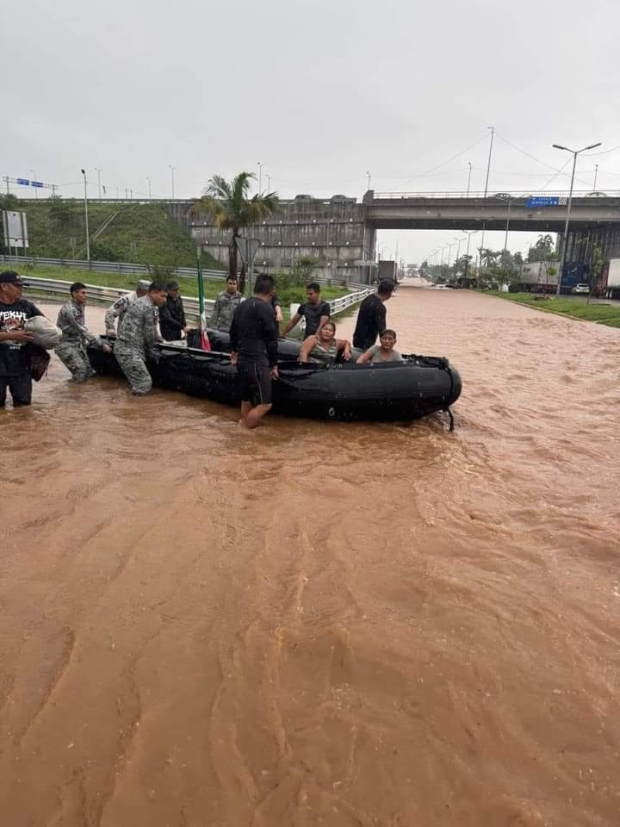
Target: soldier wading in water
[136,337]
[76,337]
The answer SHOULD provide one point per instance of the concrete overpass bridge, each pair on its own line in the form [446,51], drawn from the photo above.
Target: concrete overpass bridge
[459,211]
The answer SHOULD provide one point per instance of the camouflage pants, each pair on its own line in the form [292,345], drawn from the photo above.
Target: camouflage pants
[131,361]
[74,357]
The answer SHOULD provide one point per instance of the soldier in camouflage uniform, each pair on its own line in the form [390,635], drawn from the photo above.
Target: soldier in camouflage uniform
[136,337]
[71,350]
[225,305]
[119,308]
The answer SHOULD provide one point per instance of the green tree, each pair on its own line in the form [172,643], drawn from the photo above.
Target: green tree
[9,202]
[60,212]
[228,205]
[543,250]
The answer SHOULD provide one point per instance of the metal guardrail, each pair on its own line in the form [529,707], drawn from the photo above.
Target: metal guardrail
[59,290]
[512,194]
[124,268]
[119,267]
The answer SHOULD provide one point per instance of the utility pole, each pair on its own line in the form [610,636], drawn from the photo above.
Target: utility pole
[99,180]
[469,178]
[486,186]
[367,181]
[172,169]
[595,176]
[486,183]
[260,177]
[86,215]
[575,153]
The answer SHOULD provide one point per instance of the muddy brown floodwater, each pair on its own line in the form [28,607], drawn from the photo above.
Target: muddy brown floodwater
[317,623]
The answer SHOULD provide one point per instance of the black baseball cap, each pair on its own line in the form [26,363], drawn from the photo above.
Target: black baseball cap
[11,277]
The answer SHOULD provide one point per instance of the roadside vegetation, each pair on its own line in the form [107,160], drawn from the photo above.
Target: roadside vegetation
[607,314]
[133,233]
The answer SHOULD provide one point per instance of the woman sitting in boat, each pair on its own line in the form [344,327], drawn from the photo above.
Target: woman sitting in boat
[323,348]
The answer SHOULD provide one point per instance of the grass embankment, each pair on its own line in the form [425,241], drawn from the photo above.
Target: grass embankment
[140,233]
[607,314]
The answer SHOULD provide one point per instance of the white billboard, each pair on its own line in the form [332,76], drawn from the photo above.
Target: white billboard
[15,227]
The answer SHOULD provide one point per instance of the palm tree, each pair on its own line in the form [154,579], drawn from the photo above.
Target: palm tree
[228,205]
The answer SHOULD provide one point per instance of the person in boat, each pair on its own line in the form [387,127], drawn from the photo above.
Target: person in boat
[323,348]
[315,311]
[371,316]
[136,337]
[254,350]
[76,337]
[383,352]
[225,305]
[172,321]
[119,308]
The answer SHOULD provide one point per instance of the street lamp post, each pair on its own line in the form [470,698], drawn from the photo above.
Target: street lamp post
[99,180]
[86,215]
[260,177]
[575,153]
[172,169]
[469,178]
[149,183]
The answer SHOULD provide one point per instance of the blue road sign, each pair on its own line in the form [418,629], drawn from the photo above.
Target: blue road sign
[543,201]
[36,183]
[24,182]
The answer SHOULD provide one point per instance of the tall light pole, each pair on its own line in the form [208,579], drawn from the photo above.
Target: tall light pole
[595,177]
[469,235]
[260,177]
[149,183]
[486,183]
[575,153]
[367,181]
[172,169]
[86,215]
[458,249]
[507,226]
[469,178]
[99,180]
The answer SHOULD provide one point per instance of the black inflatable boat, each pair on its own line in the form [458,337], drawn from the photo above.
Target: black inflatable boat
[393,391]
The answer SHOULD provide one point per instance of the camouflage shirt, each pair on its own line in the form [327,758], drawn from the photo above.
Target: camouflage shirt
[139,327]
[223,310]
[118,310]
[71,322]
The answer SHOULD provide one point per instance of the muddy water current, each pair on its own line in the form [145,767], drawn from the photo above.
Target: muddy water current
[315,623]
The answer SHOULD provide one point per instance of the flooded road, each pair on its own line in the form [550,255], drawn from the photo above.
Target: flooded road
[321,623]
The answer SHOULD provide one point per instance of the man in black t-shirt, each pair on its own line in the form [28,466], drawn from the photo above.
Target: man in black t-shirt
[371,318]
[254,350]
[14,358]
[315,311]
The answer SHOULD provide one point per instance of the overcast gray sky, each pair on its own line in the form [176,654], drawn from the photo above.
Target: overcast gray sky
[321,92]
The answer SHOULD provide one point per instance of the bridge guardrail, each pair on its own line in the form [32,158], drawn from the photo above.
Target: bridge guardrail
[491,196]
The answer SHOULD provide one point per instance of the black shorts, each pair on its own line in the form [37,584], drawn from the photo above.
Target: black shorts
[255,381]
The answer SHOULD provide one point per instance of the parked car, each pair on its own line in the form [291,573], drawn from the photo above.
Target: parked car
[581,288]
[440,286]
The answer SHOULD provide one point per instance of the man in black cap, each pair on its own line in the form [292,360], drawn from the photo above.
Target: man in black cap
[15,372]
[172,315]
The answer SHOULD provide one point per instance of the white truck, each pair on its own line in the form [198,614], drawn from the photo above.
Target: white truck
[610,279]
